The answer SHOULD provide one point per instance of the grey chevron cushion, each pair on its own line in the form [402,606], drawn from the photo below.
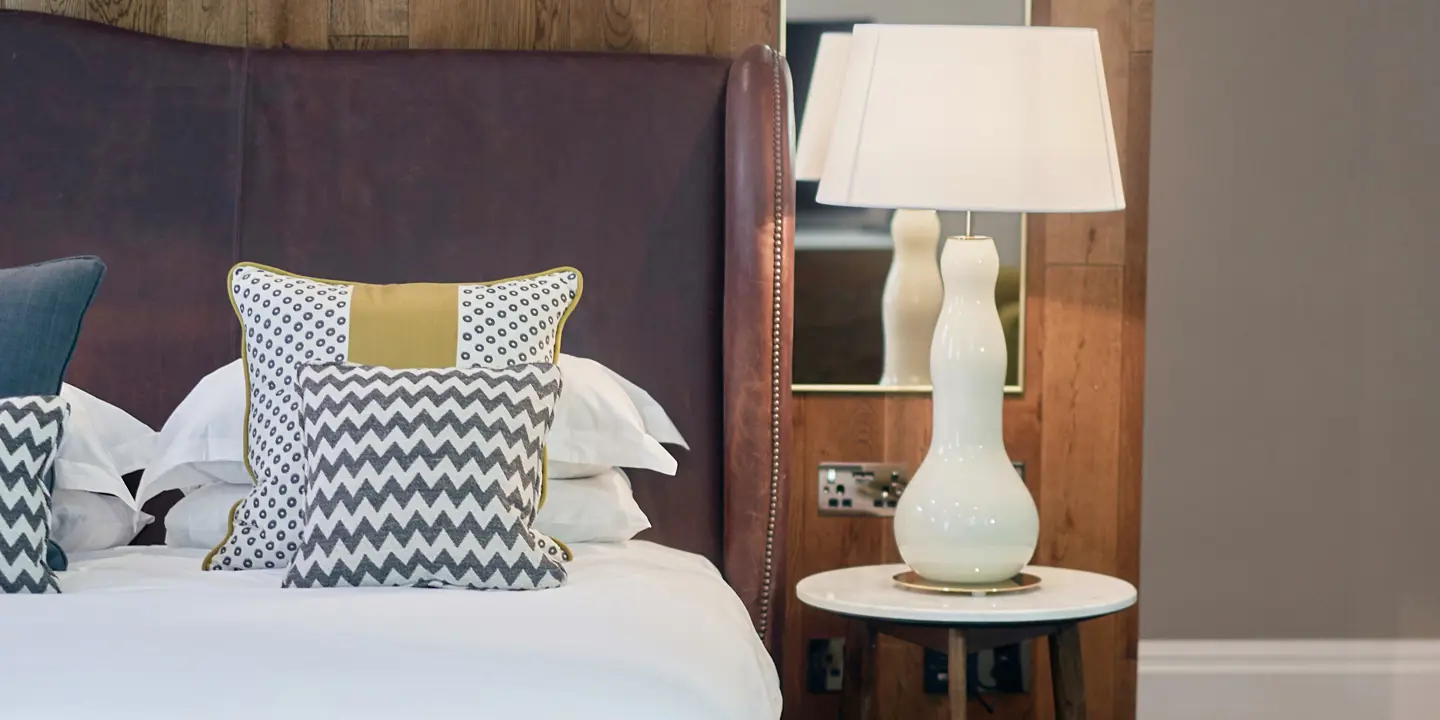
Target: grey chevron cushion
[427,478]
[31,428]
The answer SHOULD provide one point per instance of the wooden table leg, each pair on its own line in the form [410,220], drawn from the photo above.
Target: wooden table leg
[1067,676]
[956,673]
[858,688]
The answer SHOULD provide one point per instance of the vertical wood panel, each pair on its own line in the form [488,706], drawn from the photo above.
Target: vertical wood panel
[680,26]
[1132,372]
[366,42]
[143,15]
[552,24]
[288,23]
[1142,13]
[714,27]
[1080,442]
[447,24]
[750,19]
[68,8]
[218,22]
[610,25]
[509,24]
[1097,238]
[369,17]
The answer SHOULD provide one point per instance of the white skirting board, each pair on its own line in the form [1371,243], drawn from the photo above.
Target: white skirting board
[1285,679]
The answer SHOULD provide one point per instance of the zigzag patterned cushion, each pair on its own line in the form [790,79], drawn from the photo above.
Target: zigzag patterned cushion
[30,432]
[290,320]
[427,478]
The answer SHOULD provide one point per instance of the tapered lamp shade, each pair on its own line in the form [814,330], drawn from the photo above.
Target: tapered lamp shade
[1003,119]
[826,82]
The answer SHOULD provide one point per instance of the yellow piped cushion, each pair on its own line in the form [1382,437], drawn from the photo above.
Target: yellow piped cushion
[290,320]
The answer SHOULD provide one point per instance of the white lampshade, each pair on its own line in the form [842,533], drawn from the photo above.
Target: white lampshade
[1002,119]
[826,82]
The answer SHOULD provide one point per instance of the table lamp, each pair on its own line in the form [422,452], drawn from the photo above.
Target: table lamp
[910,301]
[961,118]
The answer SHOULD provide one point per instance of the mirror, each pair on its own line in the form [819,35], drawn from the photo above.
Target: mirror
[843,255]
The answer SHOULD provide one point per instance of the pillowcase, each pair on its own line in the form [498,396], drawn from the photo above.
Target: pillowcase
[599,426]
[288,321]
[425,478]
[102,444]
[593,509]
[31,429]
[202,442]
[202,518]
[85,521]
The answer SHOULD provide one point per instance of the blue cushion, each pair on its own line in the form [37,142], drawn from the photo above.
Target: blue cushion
[41,307]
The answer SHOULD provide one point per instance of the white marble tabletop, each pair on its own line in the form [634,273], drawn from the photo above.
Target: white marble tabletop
[871,592]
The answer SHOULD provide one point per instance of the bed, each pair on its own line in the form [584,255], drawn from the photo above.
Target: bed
[665,179]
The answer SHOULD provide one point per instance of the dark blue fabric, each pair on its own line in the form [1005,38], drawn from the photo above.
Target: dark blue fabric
[41,308]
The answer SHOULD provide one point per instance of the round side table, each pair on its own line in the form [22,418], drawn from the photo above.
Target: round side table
[956,624]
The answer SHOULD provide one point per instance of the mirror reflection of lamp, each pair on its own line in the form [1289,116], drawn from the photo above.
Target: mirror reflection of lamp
[969,119]
[910,301]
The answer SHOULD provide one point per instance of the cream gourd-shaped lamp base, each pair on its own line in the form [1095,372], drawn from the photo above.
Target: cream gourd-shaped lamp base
[910,302]
[966,516]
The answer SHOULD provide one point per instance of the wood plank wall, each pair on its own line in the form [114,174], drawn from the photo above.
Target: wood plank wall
[694,27]
[1077,428]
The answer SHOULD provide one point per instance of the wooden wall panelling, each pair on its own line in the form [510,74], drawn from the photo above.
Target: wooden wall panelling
[1142,31]
[1077,428]
[699,27]
[368,42]
[673,31]
[288,23]
[610,25]
[1132,368]
[370,17]
[448,24]
[68,8]
[217,22]
[143,15]
[1080,442]
[1097,238]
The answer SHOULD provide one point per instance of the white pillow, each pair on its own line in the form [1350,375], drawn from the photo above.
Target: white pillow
[601,421]
[101,444]
[596,423]
[201,519]
[85,522]
[595,509]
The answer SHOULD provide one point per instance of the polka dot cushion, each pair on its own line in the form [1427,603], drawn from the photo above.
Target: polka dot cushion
[289,321]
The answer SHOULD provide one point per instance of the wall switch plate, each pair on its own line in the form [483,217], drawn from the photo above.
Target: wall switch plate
[861,488]
[825,669]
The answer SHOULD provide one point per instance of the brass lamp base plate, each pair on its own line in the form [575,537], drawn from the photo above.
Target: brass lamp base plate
[911,580]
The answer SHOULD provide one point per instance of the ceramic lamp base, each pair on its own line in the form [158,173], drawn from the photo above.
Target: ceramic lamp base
[966,516]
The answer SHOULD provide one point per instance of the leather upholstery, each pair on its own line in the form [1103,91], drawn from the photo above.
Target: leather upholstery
[657,176]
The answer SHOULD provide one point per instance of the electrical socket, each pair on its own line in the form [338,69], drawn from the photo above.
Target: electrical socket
[1004,670]
[825,668]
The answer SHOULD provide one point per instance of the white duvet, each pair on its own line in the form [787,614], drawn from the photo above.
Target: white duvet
[640,631]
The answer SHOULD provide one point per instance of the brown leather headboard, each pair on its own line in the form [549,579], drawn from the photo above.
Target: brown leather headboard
[665,179]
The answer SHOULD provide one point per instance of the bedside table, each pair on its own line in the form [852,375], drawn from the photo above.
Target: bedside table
[956,624]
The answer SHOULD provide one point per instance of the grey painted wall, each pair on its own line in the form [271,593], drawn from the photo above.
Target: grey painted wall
[1292,401]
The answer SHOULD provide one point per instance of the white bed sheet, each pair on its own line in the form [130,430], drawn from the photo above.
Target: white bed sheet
[639,631]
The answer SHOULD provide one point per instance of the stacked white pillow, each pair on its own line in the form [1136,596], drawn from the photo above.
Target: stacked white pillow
[603,423]
[91,508]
